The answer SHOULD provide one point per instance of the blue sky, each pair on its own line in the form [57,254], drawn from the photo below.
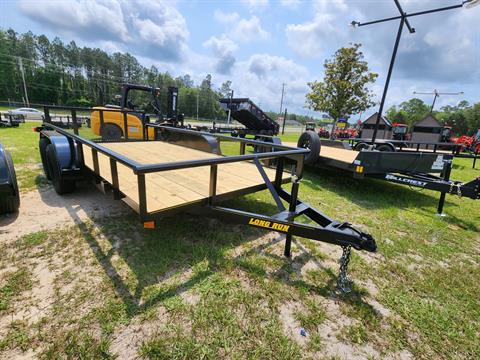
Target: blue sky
[260,44]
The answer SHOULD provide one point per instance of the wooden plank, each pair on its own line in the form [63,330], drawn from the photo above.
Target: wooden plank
[169,189]
[344,155]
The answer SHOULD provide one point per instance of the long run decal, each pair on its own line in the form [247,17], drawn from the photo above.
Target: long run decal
[269,225]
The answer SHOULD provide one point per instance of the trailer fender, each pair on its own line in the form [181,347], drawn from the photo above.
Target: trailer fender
[65,151]
[9,193]
[200,142]
[311,141]
[4,173]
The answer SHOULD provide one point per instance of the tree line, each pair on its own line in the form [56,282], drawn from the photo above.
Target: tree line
[66,74]
[464,118]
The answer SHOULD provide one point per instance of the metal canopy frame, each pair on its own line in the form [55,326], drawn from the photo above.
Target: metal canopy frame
[403,17]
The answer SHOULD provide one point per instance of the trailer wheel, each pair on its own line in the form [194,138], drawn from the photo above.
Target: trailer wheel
[61,185]
[310,140]
[386,147]
[360,146]
[11,202]
[42,146]
[111,132]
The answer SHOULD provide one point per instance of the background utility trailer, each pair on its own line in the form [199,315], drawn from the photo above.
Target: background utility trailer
[9,194]
[10,120]
[248,114]
[424,170]
[186,172]
[455,149]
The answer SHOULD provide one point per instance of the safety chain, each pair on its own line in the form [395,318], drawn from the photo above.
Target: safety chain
[343,282]
[459,189]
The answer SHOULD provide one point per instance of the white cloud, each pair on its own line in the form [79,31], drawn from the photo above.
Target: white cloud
[290,4]
[223,49]
[148,28]
[220,45]
[249,30]
[87,17]
[225,18]
[256,4]
[310,38]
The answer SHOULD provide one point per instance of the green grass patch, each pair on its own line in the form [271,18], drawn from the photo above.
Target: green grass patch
[12,285]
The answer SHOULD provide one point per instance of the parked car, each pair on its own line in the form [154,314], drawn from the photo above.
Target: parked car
[28,113]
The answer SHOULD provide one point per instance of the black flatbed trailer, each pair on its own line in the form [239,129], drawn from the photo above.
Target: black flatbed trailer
[181,170]
[416,169]
[454,149]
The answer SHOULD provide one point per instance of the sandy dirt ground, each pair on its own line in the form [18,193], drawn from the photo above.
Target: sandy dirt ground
[43,209]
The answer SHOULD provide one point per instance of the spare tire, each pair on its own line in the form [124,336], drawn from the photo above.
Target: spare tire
[61,185]
[11,202]
[310,140]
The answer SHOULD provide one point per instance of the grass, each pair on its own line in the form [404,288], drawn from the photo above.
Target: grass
[22,142]
[196,288]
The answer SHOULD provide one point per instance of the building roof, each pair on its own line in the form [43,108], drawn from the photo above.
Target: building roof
[373,119]
[428,121]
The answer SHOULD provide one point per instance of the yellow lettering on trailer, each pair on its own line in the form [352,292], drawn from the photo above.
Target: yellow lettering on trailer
[269,225]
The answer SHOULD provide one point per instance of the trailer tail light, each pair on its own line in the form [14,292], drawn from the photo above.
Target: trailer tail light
[149,224]
[359,169]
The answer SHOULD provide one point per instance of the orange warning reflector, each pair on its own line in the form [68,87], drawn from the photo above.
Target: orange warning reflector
[149,224]
[359,169]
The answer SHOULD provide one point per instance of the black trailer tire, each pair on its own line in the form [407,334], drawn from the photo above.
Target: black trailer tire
[11,202]
[42,147]
[386,147]
[111,132]
[360,146]
[310,140]
[61,185]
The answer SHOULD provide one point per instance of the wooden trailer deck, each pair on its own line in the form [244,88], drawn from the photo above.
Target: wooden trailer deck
[343,155]
[170,189]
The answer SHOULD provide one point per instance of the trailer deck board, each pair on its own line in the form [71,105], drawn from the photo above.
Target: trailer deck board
[174,188]
[343,155]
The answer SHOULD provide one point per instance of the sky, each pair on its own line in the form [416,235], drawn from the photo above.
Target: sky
[261,44]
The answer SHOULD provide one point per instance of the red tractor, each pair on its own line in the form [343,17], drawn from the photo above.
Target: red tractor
[471,143]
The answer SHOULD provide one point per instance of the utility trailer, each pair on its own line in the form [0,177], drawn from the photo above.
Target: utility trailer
[180,170]
[248,114]
[10,120]
[9,194]
[416,169]
[454,149]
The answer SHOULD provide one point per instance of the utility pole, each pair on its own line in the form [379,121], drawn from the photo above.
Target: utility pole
[284,121]
[281,100]
[436,94]
[229,108]
[197,105]
[20,63]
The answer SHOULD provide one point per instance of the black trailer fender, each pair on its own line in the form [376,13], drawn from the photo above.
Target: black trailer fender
[9,193]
